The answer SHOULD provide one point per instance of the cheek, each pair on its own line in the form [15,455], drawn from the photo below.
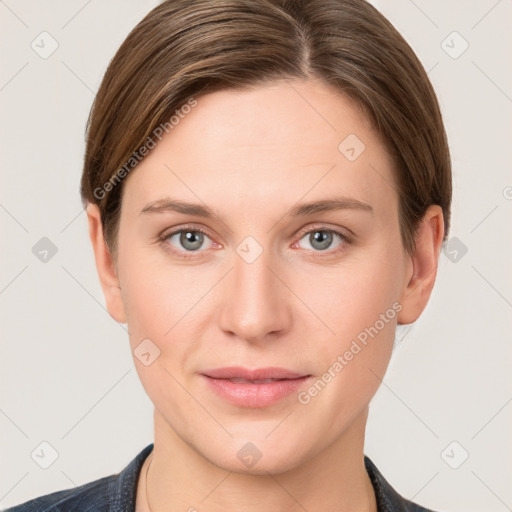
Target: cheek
[360,305]
[160,301]
[351,297]
[157,293]
[166,304]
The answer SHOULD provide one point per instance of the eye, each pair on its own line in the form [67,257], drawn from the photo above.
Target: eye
[321,239]
[186,240]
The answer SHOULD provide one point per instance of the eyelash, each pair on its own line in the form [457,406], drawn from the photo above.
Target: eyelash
[346,239]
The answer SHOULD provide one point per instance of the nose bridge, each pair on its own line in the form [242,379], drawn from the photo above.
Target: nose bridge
[254,304]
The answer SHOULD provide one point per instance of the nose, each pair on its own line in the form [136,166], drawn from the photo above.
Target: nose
[255,305]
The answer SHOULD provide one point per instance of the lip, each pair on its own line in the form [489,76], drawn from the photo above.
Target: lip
[256,388]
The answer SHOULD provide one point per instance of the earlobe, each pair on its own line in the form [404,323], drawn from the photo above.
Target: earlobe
[105,265]
[421,271]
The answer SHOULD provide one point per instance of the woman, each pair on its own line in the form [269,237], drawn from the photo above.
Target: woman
[268,187]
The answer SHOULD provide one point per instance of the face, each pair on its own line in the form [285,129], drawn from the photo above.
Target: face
[265,321]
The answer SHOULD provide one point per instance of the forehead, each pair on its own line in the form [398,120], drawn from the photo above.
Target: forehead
[284,141]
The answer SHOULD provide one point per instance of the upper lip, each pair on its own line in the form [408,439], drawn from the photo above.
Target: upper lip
[239,372]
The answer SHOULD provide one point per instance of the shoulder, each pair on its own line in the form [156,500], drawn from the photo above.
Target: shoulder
[114,493]
[388,499]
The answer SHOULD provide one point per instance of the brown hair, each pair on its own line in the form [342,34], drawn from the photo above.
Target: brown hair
[185,48]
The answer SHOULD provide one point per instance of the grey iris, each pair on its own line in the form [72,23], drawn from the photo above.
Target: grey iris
[194,238]
[320,240]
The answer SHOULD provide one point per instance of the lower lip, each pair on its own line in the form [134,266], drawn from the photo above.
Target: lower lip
[245,394]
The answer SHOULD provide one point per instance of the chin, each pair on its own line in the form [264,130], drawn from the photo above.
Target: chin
[258,456]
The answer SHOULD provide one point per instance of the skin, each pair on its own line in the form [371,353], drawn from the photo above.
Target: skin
[253,155]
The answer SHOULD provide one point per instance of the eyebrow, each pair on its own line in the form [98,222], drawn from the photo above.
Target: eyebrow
[303,209]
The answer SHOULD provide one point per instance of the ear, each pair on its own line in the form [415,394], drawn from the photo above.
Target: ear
[105,265]
[421,268]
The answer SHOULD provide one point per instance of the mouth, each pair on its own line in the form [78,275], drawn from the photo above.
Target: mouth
[258,381]
[253,388]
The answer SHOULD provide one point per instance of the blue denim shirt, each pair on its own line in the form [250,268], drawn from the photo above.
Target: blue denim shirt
[116,493]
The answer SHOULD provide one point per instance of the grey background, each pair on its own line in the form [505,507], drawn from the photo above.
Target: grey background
[67,377]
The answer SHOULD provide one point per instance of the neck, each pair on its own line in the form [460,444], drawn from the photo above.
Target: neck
[182,479]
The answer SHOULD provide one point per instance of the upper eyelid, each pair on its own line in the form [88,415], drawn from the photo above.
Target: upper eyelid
[173,231]
[324,227]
